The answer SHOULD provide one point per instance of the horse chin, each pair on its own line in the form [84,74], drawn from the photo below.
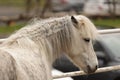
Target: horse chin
[89,71]
[84,69]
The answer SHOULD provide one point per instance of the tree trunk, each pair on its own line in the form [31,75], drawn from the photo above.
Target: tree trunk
[109,6]
[114,9]
[37,8]
[28,6]
[47,5]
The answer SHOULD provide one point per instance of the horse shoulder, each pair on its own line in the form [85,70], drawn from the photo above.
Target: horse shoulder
[7,66]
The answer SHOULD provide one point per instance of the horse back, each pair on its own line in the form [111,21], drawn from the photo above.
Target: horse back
[22,65]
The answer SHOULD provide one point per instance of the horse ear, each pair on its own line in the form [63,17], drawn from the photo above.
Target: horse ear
[74,21]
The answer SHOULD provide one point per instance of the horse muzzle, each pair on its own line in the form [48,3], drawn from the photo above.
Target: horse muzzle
[91,69]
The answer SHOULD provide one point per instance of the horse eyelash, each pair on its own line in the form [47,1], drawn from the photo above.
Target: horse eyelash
[86,39]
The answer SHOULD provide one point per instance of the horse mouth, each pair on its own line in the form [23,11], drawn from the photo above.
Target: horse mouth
[90,70]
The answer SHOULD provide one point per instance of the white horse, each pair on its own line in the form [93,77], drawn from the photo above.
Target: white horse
[29,53]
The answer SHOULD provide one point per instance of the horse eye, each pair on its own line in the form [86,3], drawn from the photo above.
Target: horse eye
[86,39]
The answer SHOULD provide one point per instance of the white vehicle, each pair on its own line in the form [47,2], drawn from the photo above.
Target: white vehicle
[101,7]
[67,5]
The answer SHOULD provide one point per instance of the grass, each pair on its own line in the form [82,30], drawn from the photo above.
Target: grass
[17,3]
[105,23]
[10,29]
[12,2]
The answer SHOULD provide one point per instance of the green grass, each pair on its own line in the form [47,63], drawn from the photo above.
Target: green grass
[10,29]
[107,22]
[12,2]
[17,3]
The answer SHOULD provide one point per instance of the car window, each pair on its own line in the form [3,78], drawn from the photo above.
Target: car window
[100,54]
[107,2]
[113,44]
[98,47]
[94,1]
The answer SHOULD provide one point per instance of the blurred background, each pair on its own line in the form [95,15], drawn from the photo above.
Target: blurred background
[105,14]
[14,14]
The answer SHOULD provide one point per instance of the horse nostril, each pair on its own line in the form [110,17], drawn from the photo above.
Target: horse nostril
[89,69]
[96,67]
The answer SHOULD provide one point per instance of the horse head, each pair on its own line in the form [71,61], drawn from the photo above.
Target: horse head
[83,55]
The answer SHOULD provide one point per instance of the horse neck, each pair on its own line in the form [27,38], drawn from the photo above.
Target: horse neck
[45,28]
[53,37]
[61,41]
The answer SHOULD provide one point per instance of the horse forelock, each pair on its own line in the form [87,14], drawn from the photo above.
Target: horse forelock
[88,28]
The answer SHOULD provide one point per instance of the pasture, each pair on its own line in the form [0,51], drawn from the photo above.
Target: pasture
[105,23]
[17,3]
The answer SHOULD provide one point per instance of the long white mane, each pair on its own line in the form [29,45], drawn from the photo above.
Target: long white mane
[58,32]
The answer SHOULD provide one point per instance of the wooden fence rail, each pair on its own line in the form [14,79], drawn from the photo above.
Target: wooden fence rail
[107,31]
[76,73]
[1,40]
